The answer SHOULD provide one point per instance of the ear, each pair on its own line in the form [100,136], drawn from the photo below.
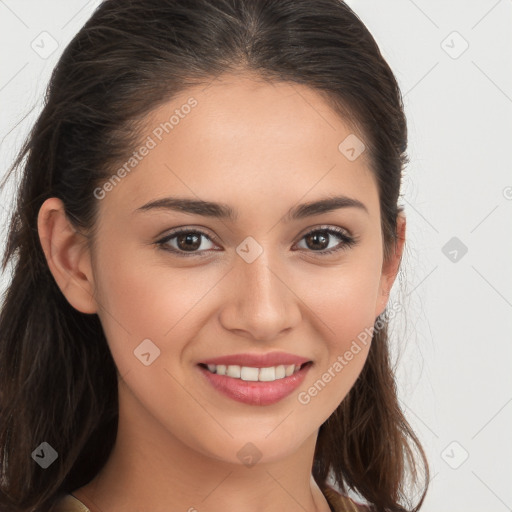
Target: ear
[67,255]
[391,267]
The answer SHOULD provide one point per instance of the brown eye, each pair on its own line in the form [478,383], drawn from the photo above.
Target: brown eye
[322,241]
[318,240]
[185,241]
[188,241]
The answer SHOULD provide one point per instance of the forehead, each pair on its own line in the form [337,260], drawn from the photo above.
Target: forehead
[240,140]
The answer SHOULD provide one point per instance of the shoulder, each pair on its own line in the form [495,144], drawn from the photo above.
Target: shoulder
[342,503]
[69,503]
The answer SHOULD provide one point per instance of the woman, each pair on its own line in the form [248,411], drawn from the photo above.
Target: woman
[206,234]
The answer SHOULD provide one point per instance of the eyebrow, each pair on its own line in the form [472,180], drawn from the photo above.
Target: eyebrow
[224,211]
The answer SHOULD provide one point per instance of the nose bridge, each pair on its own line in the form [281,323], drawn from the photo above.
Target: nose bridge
[260,286]
[261,303]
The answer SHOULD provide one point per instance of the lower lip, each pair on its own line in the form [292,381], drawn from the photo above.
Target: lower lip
[256,392]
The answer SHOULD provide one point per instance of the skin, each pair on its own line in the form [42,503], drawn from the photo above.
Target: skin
[261,148]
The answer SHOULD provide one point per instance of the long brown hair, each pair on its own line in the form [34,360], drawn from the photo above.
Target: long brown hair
[130,57]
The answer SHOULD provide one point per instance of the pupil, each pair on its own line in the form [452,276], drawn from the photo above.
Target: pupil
[315,237]
[189,238]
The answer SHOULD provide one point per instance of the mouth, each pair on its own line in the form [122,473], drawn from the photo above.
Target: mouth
[254,385]
[255,374]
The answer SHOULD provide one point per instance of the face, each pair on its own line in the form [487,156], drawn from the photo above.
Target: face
[258,282]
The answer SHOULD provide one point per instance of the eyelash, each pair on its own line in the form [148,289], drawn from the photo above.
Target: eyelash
[347,241]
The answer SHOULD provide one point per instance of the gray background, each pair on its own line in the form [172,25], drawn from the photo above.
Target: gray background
[453,339]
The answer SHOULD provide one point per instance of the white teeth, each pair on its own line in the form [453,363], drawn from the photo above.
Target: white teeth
[267,374]
[289,369]
[248,373]
[281,371]
[233,371]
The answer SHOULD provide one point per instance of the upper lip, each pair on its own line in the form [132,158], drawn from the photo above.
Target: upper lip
[258,360]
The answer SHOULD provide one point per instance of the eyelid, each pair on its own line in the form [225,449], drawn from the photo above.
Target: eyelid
[326,227]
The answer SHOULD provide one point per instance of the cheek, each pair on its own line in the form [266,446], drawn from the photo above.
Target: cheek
[343,298]
[342,305]
[143,300]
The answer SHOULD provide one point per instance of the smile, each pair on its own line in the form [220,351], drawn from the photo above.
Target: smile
[252,385]
[249,373]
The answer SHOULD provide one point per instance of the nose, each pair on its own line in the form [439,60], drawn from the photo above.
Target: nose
[260,303]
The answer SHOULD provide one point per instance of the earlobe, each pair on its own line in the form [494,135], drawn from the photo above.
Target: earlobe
[67,255]
[391,267]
